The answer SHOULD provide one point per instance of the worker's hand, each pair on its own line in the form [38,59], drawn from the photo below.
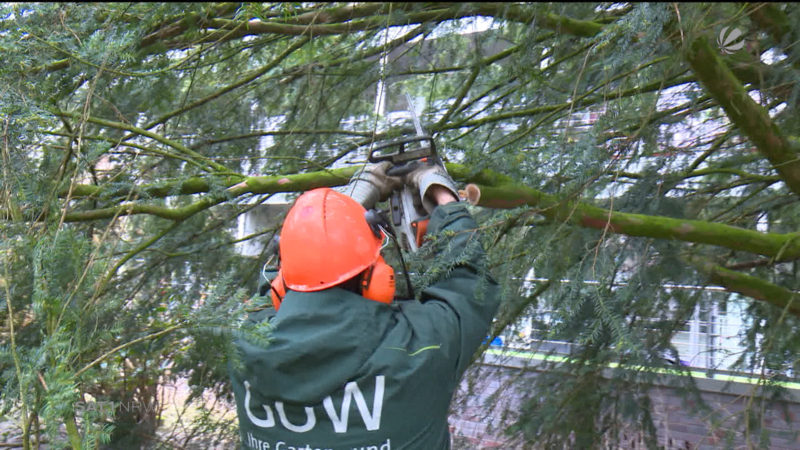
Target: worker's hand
[434,185]
[372,185]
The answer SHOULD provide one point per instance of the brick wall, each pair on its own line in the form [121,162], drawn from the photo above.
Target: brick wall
[489,397]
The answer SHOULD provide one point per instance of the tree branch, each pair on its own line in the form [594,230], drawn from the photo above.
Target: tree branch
[777,24]
[343,20]
[655,86]
[105,355]
[752,119]
[237,84]
[209,164]
[499,191]
[525,14]
[780,247]
[750,286]
[255,185]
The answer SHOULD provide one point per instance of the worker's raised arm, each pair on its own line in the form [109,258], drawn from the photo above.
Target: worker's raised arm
[463,298]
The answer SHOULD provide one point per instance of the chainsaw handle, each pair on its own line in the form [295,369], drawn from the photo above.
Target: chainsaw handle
[403,169]
[402,155]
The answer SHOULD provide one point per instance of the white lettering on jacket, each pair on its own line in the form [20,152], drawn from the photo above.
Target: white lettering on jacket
[268,422]
[372,419]
[311,419]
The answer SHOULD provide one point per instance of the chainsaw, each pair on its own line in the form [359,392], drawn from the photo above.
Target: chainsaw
[407,213]
[407,154]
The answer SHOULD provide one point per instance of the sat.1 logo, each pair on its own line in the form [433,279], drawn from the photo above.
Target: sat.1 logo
[730,40]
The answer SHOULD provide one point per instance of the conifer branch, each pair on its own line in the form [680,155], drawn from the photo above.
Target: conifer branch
[133,145]
[751,118]
[255,134]
[343,20]
[365,19]
[120,347]
[457,104]
[101,286]
[781,247]
[526,14]
[175,26]
[199,160]
[750,286]
[253,185]
[583,101]
[15,354]
[191,185]
[493,190]
[235,85]
[777,24]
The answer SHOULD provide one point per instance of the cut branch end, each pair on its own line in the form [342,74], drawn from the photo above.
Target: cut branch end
[472,193]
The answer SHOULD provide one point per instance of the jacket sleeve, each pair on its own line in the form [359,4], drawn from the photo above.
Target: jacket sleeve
[464,295]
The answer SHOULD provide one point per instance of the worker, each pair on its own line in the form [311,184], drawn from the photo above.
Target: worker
[344,365]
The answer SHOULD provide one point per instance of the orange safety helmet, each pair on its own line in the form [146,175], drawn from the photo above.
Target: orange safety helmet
[326,240]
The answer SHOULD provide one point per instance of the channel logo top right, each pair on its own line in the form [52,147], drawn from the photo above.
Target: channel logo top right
[730,40]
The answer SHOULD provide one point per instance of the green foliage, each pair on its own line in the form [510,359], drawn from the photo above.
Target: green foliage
[112,309]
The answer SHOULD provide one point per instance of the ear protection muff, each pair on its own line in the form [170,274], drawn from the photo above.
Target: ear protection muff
[377,282]
[277,290]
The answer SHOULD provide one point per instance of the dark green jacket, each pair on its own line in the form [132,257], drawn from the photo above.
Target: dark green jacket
[344,372]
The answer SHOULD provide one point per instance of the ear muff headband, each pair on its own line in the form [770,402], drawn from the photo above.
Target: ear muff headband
[379,225]
[277,290]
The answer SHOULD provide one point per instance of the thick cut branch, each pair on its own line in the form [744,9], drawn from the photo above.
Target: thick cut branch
[495,190]
[780,247]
